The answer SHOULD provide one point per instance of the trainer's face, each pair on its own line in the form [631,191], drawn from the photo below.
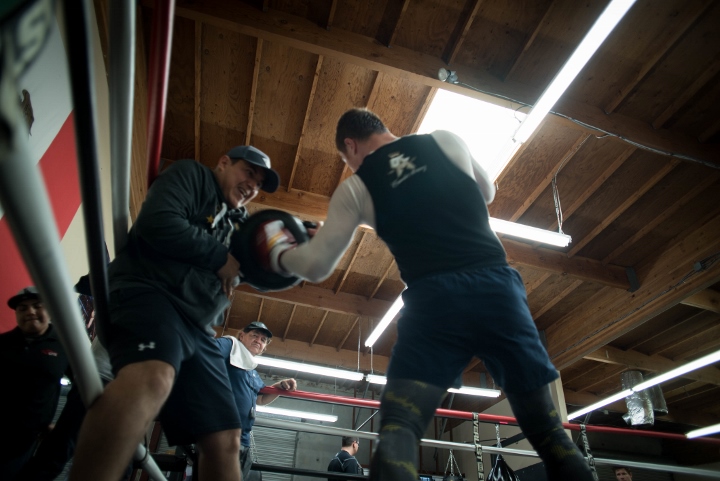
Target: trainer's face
[32,318]
[352,155]
[622,475]
[255,341]
[240,181]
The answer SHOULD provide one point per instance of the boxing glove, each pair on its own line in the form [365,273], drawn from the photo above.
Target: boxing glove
[272,239]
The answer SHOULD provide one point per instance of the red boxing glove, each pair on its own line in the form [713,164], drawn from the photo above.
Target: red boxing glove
[272,240]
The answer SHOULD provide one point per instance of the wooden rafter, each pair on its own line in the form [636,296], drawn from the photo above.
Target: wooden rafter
[698,335]
[198,84]
[595,185]
[581,374]
[531,286]
[289,323]
[342,279]
[655,54]
[707,299]
[475,361]
[587,383]
[382,279]
[542,185]
[347,334]
[317,331]
[260,309]
[683,390]
[702,348]
[651,224]
[657,333]
[308,111]
[553,302]
[423,109]
[331,14]
[699,391]
[687,94]
[253,91]
[391,21]
[609,219]
[461,30]
[530,40]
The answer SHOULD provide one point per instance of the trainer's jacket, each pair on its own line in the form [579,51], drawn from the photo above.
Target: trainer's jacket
[426,198]
[178,242]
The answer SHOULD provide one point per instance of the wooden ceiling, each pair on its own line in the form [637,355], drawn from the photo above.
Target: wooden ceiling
[639,286]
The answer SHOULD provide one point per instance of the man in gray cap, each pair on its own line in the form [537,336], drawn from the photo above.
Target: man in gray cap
[32,362]
[167,286]
[239,354]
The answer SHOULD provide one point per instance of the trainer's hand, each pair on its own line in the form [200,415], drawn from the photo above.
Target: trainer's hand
[227,274]
[313,230]
[287,385]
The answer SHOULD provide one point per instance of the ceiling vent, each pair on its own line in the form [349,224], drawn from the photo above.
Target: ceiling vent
[642,406]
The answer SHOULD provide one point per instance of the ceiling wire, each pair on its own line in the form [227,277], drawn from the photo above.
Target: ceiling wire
[556,192]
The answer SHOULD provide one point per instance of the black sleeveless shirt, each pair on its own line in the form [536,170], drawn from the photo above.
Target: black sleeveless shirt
[431,214]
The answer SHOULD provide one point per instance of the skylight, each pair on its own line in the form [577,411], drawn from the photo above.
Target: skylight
[487,128]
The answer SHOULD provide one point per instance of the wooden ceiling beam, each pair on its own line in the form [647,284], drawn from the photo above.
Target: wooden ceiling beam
[382,279]
[530,40]
[475,361]
[422,68]
[391,21]
[708,299]
[656,53]
[319,298]
[713,344]
[657,333]
[423,109]
[317,331]
[587,383]
[308,111]
[198,85]
[607,315]
[531,286]
[638,360]
[595,185]
[347,334]
[342,279]
[457,38]
[289,323]
[697,334]
[687,94]
[683,390]
[625,205]
[260,309]
[581,374]
[651,224]
[331,14]
[253,91]
[542,185]
[553,302]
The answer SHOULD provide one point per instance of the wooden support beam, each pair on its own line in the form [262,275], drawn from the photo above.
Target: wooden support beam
[331,14]
[472,7]
[391,21]
[530,40]
[708,299]
[317,331]
[687,94]
[657,333]
[423,110]
[347,334]
[697,334]
[422,68]
[382,279]
[531,286]
[637,360]
[290,320]
[553,302]
[341,281]
[262,303]
[308,111]
[319,298]
[198,85]
[253,91]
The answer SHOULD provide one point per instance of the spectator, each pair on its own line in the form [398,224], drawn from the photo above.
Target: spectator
[344,461]
[622,473]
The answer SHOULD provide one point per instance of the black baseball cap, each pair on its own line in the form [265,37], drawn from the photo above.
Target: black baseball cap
[24,294]
[259,158]
[259,326]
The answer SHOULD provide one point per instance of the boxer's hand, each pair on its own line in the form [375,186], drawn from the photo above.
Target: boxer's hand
[272,240]
[287,385]
[228,274]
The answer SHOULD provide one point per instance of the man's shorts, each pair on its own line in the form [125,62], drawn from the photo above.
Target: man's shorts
[449,318]
[146,326]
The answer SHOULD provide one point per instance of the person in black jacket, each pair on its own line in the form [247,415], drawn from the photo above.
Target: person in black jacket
[344,461]
[167,287]
[32,362]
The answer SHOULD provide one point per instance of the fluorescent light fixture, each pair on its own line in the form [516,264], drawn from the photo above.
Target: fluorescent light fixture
[309,368]
[531,233]
[476,391]
[473,391]
[677,372]
[601,403]
[385,321]
[297,414]
[703,431]
[607,21]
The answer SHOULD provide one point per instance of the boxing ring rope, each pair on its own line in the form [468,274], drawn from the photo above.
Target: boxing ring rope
[121,83]
[468,416]
[318,429]
[158,72]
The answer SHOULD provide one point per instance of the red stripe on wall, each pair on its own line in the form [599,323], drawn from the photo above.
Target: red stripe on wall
[60,172]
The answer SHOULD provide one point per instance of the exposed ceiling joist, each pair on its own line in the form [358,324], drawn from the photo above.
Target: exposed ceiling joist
[461,29]
[707,299]
[253,92]
[391,21]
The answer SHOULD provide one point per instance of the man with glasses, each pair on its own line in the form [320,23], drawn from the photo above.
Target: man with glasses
[344,461]
[239,354]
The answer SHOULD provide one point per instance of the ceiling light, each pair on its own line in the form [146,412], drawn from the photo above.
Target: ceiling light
[530,233]
[685,368]
[703,431]
[309,368]
[297,414]
[473,391]
[601,403]
[607,21]
[385,321]
[446,75]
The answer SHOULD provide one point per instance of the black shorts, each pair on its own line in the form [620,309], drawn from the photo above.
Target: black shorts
[144,326]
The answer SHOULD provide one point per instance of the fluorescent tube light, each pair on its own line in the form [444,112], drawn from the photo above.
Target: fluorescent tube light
[679,371]
[385,321]
[601,403]
[530,233]
[607,21]
[703,431]
[330,418]
[309,368]
[473,391]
